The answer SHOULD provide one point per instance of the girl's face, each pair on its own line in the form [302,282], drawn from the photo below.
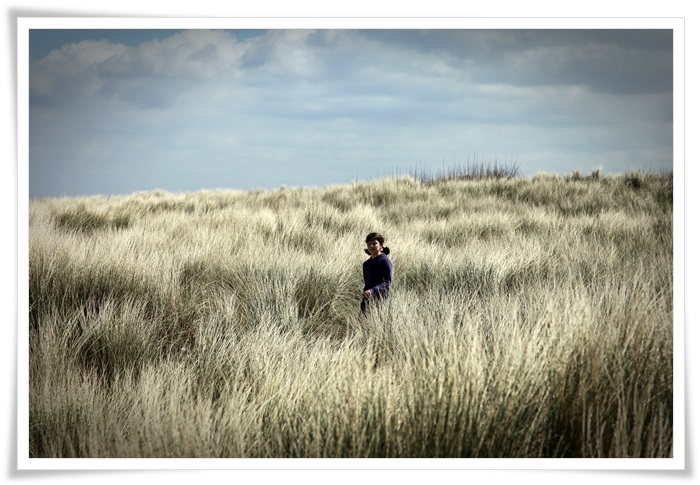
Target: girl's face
[375,248]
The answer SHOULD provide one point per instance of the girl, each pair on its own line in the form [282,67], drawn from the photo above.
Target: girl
[377,271]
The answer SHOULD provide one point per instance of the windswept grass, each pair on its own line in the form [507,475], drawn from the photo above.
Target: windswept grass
[530,317]
[469,171]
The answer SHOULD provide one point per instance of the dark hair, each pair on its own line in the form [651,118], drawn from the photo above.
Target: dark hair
[375,236]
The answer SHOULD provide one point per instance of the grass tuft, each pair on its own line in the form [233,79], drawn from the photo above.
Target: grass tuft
[468,171]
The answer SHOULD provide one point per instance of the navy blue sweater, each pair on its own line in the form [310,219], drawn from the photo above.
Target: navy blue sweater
[377,273]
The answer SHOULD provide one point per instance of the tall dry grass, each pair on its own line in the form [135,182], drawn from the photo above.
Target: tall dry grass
[530,317]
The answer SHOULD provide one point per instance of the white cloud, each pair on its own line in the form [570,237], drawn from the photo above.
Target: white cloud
[192,54]
[285,53]
[73,69]
[152,74]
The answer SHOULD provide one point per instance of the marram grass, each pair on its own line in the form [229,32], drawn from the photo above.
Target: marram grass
[530,317]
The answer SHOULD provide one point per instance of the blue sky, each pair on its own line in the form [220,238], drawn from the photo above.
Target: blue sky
[121,111]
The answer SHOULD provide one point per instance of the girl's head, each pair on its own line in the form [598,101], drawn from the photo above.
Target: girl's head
[375,244]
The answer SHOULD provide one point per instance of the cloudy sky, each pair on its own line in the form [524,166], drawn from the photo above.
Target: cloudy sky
[121,111]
